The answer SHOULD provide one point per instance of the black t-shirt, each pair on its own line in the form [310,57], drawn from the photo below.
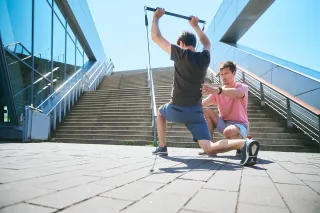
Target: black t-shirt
[189,71]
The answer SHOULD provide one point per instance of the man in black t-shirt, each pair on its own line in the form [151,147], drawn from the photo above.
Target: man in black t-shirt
[185,106]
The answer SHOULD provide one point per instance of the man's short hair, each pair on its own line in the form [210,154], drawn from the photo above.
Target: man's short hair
[228,64]
[189,39]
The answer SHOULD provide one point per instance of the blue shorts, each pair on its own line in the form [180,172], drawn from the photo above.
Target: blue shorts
[222,124]
[191,117]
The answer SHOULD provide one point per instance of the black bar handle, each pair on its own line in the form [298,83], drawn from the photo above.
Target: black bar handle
[146,20]
[173,14]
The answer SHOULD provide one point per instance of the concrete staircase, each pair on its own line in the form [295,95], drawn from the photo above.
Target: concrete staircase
[119,113]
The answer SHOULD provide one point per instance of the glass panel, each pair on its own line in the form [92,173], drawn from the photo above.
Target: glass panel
[42,36]
[58,52]
[59,14]
[71,33]
[4,99]
[20,77]
[79,60]
[16,25]
[41,88]
[79,54]
[50,1]
[86,59]
[70,57]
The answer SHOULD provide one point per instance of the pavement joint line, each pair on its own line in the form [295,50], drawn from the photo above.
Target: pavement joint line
[311,187]
[274,184]
[35,204]
[238,193]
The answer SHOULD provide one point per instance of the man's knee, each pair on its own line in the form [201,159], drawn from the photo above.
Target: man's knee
[231,132]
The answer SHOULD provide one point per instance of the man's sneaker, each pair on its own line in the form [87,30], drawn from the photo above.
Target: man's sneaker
[161,151]
[249,153]
[238,153]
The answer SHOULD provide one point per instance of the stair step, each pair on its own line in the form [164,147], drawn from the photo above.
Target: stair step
[110,110]
[100,127]
[109,97]
[113,93]
[145,123]
[105,119]
[253,130]
[86,105]
[107,113]
[108,101]
[107,123]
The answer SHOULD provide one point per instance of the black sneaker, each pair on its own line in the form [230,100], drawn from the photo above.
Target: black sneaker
[249,153]
[161,151]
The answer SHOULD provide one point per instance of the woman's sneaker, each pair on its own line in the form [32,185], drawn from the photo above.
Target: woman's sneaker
[161,151]
[249,152]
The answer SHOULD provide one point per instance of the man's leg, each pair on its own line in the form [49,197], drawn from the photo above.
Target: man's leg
[224,145]
[200,132]
[236,131]
[212,119]
[161,129]
[248,147]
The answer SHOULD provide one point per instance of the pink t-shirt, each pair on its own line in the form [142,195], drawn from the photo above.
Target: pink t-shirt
[233,109]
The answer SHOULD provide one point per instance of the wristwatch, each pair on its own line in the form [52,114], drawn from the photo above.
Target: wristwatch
[220,90]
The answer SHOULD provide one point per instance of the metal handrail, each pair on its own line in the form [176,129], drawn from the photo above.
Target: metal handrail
[32,69]
[73,93]
[15,43]
[60,88]
[300,115]
[153,105]
[96,82]
[63,97]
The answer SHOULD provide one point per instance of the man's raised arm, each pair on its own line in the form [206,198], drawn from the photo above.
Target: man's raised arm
[156,34]
[203,38]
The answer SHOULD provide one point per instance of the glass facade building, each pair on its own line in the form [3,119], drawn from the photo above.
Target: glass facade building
[43,43]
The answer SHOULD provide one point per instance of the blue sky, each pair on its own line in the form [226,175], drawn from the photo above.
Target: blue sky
[289,30]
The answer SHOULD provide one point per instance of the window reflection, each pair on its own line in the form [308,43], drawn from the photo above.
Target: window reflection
[79,56]
[4,100]
[79,60]
[71,56]
[85,58]
[42,36]
[58,52]
[16,26]
[16,30]
[58,13]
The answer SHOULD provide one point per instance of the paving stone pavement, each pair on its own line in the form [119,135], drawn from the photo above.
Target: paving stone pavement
[67,178]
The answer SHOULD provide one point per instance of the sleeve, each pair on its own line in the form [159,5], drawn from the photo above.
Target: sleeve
[177,53]
[244,88]
[205,56]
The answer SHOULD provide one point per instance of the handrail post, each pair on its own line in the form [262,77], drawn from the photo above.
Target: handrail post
[243,77]
[289,114]
[262,101]
[319,131]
